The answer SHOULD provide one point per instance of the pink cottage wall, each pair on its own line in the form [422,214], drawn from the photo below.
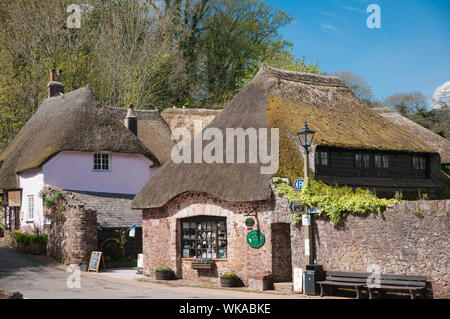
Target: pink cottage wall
[31,182]
[74,171]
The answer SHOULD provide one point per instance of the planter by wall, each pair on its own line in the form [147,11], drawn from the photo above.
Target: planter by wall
[163,275]
[229,282]
[202,265]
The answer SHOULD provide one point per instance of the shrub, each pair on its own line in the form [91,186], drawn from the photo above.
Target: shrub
[335,202]
[28,239]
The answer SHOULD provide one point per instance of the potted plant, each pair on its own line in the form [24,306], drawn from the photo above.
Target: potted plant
[229,279]
[202,263]
[163,273]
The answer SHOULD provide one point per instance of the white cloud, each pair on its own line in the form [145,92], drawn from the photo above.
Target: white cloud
[441,96]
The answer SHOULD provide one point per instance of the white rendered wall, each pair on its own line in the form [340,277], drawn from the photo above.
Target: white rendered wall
[31,182]
[75,171]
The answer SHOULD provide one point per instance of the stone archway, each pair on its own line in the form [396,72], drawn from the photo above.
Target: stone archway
[281,252]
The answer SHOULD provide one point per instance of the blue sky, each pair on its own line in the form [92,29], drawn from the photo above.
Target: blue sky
[410,52]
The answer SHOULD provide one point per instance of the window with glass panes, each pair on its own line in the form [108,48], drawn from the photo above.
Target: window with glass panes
[362,160]
[419,163]
[101,162]
[321,158]
[204,237]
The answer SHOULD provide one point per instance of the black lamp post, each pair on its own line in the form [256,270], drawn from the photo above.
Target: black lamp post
[305,136]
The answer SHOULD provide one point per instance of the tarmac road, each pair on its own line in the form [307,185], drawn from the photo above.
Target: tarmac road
[40,279]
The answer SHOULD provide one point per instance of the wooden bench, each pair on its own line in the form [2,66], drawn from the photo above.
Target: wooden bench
[344,279]
[411,284]
[388,282]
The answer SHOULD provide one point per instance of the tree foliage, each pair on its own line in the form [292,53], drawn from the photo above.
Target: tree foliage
[359,86]
[153,54]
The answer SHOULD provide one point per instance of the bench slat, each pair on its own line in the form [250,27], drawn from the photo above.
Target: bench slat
[403,277]
[399,287]
[403,283]
[362,280]
[347,274]
[336,283]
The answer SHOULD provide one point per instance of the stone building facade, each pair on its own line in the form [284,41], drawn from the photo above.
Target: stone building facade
[162,241]
[412,238]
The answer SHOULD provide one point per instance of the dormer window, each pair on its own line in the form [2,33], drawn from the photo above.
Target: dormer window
[101,162]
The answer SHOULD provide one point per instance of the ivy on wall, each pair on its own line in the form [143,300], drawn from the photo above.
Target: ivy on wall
[335,202]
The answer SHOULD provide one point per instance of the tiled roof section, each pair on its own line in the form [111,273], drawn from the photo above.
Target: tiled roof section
[113,210]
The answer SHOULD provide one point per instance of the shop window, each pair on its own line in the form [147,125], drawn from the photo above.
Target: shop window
[204,237]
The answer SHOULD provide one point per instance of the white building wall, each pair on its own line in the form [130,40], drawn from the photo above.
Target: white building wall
[75,171]
[31,182]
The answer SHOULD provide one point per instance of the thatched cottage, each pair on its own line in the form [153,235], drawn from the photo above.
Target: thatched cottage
[75,144]
[199,209]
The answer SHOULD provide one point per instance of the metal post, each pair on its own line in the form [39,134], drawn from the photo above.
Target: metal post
[308,229]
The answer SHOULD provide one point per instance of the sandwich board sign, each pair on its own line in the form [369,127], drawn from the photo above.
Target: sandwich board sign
[298,184]
[95,261]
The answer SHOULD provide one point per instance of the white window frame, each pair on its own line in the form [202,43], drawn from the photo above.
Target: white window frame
[102,169]
[30,211]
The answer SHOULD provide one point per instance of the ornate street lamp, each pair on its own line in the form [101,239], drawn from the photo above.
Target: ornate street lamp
[306,137]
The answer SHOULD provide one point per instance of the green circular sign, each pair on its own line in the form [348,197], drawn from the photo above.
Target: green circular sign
[249,222]
[255,239]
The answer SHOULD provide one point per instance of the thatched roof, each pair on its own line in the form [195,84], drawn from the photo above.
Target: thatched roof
[184,118]
[75,121]
[280,99]
[153,131]
[438,143]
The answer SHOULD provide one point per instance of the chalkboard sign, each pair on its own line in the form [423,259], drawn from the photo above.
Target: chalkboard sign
[96,260]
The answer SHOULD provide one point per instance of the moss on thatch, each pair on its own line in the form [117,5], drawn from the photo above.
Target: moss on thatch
[284,100]
[72,122]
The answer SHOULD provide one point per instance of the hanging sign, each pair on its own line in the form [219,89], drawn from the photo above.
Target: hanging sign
[249,222]
[14,198]
[96,260]
[298,184]
[255,239]
[132,232]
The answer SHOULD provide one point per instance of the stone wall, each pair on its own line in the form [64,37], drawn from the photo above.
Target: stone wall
[72,235]
[162,246]
[413,238]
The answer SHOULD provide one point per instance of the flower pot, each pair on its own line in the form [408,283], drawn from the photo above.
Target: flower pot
[202,265]
[229,282]
[163,275]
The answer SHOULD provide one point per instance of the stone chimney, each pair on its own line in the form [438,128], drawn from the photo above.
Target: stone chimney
[131,120]
[55,86]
